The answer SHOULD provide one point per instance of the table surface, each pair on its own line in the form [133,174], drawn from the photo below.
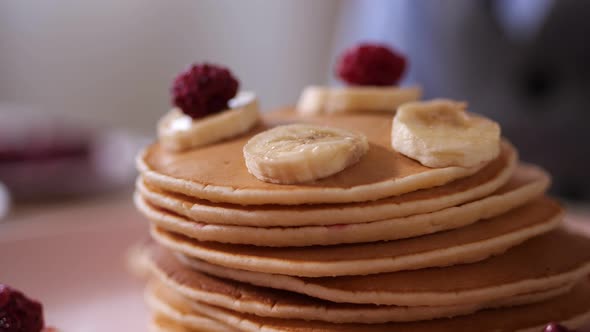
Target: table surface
[72,257]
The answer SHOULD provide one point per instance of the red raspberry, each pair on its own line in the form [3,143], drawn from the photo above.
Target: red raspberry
[554,327]
[204,89]
[18,313]
[371,64]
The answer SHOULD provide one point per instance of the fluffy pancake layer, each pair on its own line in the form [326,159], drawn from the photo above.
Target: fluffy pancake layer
[268,302]
[574,312]
[464,245]
[526,184]
[551,260]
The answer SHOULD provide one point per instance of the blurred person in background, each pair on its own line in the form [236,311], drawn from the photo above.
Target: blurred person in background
[525,63]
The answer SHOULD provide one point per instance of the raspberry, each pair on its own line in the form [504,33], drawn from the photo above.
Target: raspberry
[18,313]
[554,327]
[204,89]
[370,64]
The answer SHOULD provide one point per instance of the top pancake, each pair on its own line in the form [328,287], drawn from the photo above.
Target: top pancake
[487,180]
[218,173]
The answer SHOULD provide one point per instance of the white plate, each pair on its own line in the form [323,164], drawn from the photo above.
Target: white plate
[73,261]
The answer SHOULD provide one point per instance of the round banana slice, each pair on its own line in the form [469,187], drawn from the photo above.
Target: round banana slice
[320,99]
[440,133]
[302,152]
[178,131]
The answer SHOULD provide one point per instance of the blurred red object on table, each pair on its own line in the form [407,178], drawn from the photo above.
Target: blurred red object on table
[50,155]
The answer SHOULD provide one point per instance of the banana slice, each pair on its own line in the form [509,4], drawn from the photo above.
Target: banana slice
[302,152]
[178,131]
[440,133]
[319,99]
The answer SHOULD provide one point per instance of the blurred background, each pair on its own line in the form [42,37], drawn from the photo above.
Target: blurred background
[76,73]
[82,83]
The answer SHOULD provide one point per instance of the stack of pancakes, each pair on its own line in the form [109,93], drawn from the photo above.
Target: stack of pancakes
[385,245]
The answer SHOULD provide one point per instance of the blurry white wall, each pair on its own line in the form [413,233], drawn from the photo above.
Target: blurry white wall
[112,61]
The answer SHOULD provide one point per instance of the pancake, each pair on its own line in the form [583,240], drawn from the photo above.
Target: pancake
[548,261]
[571,309]
[522,187]
[193,321]
[269,302]
[198,323]
[218,173]
[481,184]
[464,245]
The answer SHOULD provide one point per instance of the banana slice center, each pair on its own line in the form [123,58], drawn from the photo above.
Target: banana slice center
[310,141]
[445,116]
[300,152]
